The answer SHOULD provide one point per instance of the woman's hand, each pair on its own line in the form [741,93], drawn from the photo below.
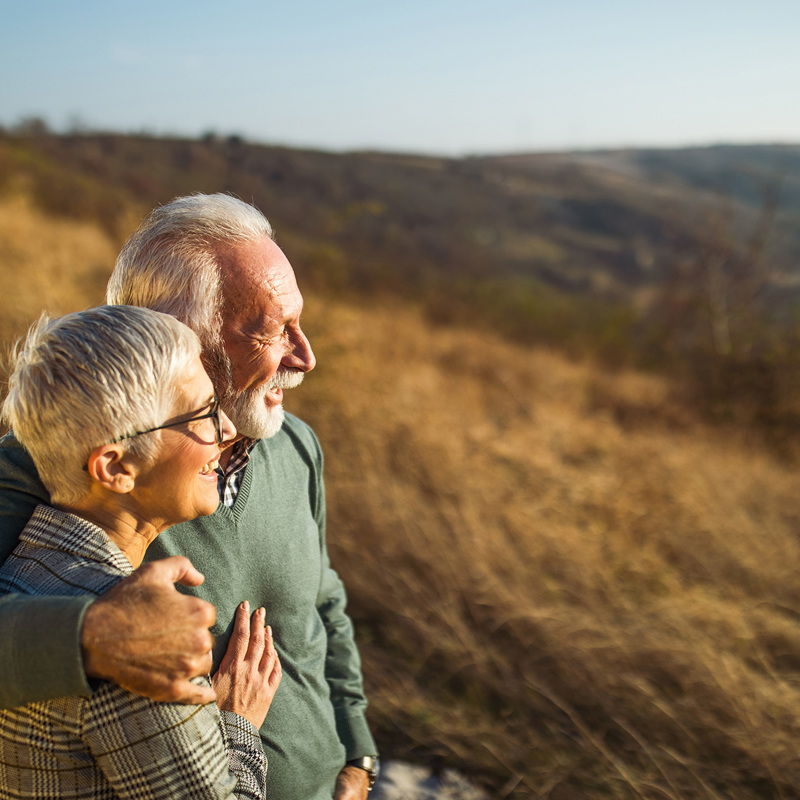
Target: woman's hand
[250,671]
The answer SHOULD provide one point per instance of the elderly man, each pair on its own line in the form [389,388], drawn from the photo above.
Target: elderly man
[211,261]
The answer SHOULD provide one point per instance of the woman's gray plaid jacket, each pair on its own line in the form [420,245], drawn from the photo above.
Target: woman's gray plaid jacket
[113,744]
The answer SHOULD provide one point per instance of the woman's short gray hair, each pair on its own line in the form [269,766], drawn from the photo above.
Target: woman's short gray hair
[171,264]
[82,380]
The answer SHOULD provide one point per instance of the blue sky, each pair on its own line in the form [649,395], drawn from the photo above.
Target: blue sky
[442,76]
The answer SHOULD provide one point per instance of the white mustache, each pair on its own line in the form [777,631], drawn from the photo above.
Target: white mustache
[286,378]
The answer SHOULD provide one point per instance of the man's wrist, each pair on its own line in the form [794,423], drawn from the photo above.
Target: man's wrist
[370,764]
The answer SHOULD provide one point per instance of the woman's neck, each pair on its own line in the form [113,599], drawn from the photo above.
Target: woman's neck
[129,532]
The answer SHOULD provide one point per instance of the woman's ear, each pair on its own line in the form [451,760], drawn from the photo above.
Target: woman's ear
[111,467]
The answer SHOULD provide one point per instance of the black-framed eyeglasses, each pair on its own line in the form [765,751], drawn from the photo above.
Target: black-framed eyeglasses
[213,414]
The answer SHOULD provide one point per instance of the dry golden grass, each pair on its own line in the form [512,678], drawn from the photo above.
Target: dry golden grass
[47,264]
[562,583]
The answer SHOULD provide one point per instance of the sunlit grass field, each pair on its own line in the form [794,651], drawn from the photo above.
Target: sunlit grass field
[563,583]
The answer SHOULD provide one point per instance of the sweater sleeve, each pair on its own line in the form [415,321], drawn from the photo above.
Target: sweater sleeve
[343,662]
[40,651]
[20,492]
[40,654]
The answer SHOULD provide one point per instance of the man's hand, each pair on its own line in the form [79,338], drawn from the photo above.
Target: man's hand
[149,638]
[352,783]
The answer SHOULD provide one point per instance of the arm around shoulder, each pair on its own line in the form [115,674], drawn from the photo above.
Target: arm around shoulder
[49,645]
[149,638]
[40,651]
[40,654]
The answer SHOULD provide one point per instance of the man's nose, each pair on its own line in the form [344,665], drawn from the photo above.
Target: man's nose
[302,356]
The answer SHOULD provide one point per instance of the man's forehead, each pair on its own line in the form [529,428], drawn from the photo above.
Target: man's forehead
[252,260]
[259,274]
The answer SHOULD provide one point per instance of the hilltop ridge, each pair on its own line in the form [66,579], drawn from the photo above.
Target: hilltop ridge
[601,222]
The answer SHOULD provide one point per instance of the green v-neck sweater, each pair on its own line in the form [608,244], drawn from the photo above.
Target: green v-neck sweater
[269,549]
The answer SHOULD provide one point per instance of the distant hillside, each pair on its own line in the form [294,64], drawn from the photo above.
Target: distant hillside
[602,221]
[732,170]
[574,249]
[732,179]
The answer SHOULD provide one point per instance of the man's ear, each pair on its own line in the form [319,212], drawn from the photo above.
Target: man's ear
[112,468]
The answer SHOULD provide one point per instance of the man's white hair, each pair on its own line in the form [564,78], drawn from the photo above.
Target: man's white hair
[171,264]
[84,379]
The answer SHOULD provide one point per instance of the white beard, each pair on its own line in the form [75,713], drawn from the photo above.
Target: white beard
[251,415]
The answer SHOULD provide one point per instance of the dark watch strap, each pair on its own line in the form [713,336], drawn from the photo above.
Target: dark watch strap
[370,764]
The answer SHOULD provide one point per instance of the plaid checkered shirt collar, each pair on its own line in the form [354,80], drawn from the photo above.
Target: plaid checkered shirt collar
[239,457]
[229,479]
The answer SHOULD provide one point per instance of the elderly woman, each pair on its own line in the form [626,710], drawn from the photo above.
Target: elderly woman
[121,420]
